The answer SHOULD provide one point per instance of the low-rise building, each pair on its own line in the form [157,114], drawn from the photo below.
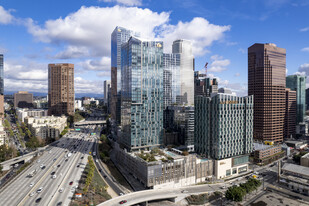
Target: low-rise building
[2,134]
[296,144]
[46,127]
[296,177]
[165,169]
[229,167]
[265,154]
[304,160]
[23,113]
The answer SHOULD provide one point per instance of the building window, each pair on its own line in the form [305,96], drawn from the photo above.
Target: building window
[234,171]
[228,172]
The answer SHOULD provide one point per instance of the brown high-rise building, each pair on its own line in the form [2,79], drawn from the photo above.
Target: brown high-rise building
[266,81]
[290,113]
[61,89]
[23,100]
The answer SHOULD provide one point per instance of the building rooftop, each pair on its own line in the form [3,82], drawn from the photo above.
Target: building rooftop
[303,171]
[260,146]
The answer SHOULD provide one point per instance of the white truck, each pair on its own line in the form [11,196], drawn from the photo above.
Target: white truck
[31,174]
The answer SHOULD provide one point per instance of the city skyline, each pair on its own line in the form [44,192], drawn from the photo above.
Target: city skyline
[32,37]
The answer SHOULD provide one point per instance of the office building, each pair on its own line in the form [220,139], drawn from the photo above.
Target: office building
[307,98]
[1,87]
[204,86]
[186,73]
[266,81]
[171,80]
[142,93]
[180,120]
[290,114]
[107,86]
[119,36]
[107,89]
[224,131]
[23,99]
[298,83]
[61,94]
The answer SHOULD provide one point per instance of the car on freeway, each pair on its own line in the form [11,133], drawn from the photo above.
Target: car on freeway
[38,161]
[39,190]
[61,189]
[77,165]
[52,173]
[59,203]
[122,202]
[41,166]
[82,157]
[71,183]
[55,159]
[38,200]
[31,194]
[100,170]
[120,193]
[31,184]
[58,165]
[66,160]
[54,176]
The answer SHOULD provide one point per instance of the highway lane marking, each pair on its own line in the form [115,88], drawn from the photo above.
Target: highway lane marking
[39,182]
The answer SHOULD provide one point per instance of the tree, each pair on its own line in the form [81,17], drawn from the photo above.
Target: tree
[1,168]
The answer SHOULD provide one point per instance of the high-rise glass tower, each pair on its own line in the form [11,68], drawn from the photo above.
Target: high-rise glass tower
[298,83]
[171,79]
[266,81]
[119,36]
[142,93]
[186,73]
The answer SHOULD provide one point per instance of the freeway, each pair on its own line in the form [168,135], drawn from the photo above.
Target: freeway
[55,169]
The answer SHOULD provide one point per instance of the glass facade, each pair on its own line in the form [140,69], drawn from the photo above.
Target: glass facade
[186,73]
[171,79]
[298,83]
[119,36]
[223,126]
[1,75]
[142,93]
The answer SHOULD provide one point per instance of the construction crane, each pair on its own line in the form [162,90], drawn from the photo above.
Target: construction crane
[206,69]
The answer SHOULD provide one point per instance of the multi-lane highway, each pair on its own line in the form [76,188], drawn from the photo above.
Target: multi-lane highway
[55,174]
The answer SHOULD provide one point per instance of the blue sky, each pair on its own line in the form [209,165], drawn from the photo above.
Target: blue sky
[35,33]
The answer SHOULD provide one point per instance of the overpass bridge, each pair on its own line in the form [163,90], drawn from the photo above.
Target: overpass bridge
[86,123]
[172,194]
[21,159]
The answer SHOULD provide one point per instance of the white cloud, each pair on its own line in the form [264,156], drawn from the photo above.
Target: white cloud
[306,49]
[241,50]
[218,64]
[198,30]
[237,74]
[304,29]
[91,27]
[73,52]
[126,2]
[5,16]
[25,70]
[88,86]
[304,68]
[103,64]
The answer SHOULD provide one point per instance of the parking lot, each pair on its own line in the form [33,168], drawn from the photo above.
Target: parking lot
[274,199]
